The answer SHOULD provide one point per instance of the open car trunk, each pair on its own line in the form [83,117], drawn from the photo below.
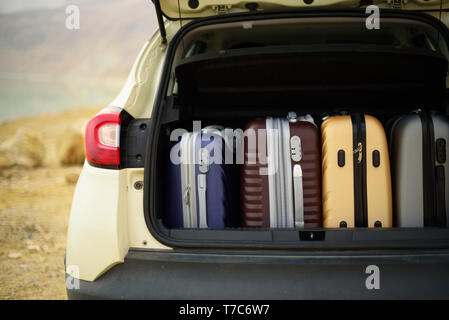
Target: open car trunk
[233,70]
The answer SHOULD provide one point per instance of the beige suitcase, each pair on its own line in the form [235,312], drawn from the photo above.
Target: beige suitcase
[356,173]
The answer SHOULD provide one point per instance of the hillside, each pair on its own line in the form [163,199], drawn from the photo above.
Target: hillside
[111,35]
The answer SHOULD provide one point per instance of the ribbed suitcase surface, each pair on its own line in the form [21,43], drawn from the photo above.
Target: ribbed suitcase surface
[356,173]
[286,193]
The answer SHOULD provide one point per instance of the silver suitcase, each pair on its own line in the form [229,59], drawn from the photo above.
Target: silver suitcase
[419,149]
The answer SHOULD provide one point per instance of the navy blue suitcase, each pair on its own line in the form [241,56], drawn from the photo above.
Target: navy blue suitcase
[200,193]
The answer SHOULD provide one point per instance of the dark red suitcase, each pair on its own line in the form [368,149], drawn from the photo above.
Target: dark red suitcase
[281,180]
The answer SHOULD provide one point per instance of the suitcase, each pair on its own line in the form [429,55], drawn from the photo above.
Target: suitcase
[420,169]
[356,172]
[280,180]
[199,188]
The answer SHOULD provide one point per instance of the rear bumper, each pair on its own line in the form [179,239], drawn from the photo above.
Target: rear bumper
[237,275]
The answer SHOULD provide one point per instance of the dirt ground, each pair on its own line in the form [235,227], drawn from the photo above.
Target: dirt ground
[34,211]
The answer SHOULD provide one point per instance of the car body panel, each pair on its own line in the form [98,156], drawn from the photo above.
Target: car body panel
[206,8]
[106,209]
[106,219]
[139,91]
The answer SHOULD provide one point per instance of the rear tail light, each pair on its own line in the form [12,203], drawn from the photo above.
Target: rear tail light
[103,138]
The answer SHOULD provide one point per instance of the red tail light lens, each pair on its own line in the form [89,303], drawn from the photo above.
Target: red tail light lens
[103,138]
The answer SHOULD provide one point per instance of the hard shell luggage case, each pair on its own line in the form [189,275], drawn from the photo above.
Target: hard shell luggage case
[280,181]
[199,188]
[420,169]
[356,172]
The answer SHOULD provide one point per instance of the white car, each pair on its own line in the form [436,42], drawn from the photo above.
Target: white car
[118,246]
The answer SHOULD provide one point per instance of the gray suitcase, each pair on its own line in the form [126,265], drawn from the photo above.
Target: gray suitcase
[419,149]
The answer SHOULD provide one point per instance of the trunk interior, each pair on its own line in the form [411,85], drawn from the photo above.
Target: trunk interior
[231,73]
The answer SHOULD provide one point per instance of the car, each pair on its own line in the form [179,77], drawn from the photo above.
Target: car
[118,245]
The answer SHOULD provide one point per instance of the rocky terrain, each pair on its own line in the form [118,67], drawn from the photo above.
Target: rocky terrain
[40,161]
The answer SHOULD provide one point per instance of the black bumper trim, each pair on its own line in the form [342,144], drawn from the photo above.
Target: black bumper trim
[266,275]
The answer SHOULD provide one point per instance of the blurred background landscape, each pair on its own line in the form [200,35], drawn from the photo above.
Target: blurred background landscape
[52,80]
[45,67]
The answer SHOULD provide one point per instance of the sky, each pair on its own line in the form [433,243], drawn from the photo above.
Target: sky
[9,6]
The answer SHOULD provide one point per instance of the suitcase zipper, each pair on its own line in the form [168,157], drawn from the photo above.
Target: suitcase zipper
[359,163]
[440,188]
[428,170]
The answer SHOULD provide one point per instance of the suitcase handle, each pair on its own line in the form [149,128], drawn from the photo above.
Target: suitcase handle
[202,187]
[298,196]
